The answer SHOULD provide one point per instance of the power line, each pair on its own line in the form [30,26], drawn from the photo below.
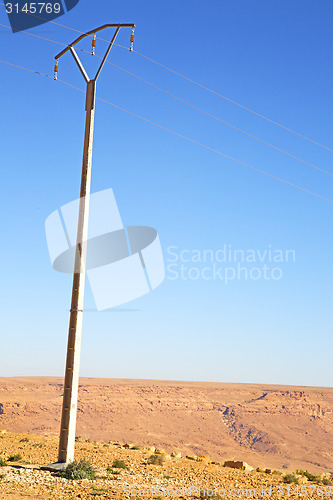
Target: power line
[179,135]
[42,74]
[220,120]
[26,69]
[233,102]
[215,151]
[194,82]
[192,106]
[37,36]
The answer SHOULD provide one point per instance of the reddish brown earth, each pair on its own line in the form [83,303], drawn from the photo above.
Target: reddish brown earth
[280,427]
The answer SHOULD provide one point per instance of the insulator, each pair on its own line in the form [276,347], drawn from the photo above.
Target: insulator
[93,43]
[132,40]
[56,69]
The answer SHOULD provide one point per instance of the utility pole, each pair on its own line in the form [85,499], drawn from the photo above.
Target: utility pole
[71,383]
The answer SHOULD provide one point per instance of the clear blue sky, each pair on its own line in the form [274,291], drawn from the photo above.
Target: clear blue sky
[271,56]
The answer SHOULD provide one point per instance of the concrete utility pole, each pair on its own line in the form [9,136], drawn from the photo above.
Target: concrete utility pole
[71,384]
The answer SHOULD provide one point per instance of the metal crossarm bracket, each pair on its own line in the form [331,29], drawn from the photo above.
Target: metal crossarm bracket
[92,32]
[70,48]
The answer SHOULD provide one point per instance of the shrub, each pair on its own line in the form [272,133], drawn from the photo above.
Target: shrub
[311,477]
[79,470]
[327,482]
[3,463]
[290,478]
[156,460]
[97,491]
[24,440]
[82,439]
[14,458]
[111,471]
[204,494]
[119,464]
[136,447]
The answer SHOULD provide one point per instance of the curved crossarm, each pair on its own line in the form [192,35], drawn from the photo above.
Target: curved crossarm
[70,48]
[92,32]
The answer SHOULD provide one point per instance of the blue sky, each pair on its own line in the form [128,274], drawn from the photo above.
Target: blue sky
[272,57]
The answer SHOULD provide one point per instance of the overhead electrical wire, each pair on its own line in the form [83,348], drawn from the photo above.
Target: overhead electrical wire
[190,105]
[233,102]
[220,119]
[195,83]
[177,134]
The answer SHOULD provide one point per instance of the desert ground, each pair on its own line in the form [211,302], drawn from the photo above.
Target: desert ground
[125,472]
[267,426]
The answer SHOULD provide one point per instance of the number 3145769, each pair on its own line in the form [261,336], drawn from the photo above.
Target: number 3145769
[33,8]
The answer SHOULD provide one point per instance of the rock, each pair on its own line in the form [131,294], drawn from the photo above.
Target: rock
[137,447]
[203,458]
[152,449]
[237,465]
[176,455]
[159,451]
[268,471]
[3,432]
[301,479]
[127,446]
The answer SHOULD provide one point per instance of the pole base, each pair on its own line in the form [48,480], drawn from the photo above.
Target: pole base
[56,467]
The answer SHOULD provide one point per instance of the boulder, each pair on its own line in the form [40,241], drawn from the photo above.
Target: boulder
[301,479]
[151,449]
[237,465]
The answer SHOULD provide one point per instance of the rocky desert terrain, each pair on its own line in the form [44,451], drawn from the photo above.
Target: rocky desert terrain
[276,427]
[125,471]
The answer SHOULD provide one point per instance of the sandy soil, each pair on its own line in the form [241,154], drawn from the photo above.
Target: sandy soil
[175,477]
